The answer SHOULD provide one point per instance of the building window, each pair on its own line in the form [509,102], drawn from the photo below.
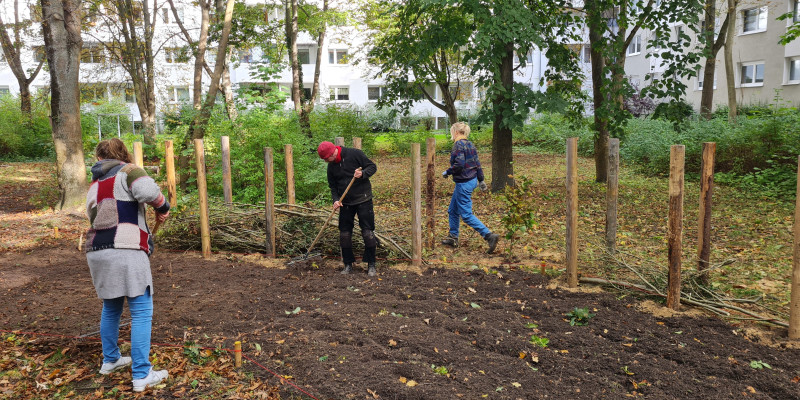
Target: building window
[754,20]
[528,57]
[337,56]
[168,18]
[752,74]
[92,54]
[273,14]
[92,92]
[340,93]
[39,54]
[374,93]
[794,71]
[178,94]
[700,73]
[5,91]
[176,54]
[636,45]
[303,56]
[586,54]
[245,56]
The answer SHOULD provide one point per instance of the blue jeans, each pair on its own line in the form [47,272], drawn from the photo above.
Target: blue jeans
[141,308]
[461,209]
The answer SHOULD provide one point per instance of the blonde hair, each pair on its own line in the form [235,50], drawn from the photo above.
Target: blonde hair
[459,129]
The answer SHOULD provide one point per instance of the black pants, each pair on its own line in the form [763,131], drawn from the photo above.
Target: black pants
[366,221]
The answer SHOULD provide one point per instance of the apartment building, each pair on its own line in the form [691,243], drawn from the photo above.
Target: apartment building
[764,69]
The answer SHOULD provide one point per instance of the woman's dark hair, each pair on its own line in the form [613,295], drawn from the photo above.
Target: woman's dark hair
[113,149]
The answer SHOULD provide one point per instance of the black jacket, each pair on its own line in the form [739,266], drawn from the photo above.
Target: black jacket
[340,174]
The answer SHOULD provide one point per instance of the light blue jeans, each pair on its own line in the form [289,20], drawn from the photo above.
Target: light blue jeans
[141,308]
[461,209]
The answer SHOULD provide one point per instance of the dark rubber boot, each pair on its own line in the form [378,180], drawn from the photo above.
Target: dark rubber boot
[492,239]
[371,271]
[348,268]
[450,240]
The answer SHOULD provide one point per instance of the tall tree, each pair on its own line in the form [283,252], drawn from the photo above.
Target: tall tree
[61,28]
[504,28]
[198,47]
[317,27]
[612,26]
[415,47]
[13,54]
[730,80]
[131,28]
[712,45]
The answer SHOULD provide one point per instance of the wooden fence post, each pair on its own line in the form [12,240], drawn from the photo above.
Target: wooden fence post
[205,230]
[289,158]
[138,155]
[339,141]
[704,215]
[430,195]
[226,171]
[416,205]
[612,195]
[269,209]
[572,212]
[794,303]
[675,231]
[169,155]
[357,143]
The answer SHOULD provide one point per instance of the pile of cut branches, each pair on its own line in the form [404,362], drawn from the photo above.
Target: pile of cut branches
[241,228]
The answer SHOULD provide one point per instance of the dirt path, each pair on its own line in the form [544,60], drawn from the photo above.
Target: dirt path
[443,334]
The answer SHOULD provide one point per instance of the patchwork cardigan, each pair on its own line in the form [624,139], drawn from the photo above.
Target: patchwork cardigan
[115,205]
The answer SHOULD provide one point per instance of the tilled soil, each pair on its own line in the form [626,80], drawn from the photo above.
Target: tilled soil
[443,333]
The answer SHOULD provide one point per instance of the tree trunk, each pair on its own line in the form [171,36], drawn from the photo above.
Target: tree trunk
[25,102]
[729,74]
[62,38]
[598,97]
[502,156]
[707,95]
[230,105]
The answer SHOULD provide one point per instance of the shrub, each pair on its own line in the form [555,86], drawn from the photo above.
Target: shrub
[20,140]
[548,132]
[95,119]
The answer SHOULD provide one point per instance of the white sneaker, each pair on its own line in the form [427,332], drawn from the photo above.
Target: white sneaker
[153,378]
[108,368]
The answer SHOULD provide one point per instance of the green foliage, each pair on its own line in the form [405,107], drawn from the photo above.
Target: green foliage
[548,132]
[95,119]
[758,364]
[678,112]
[20,140]
[539,341]
[347,121]
[520,216]
[579,316]
[440,370]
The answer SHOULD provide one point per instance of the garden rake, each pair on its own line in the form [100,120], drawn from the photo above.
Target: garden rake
[308,255]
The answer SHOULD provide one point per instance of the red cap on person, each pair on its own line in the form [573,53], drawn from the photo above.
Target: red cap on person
[325,149]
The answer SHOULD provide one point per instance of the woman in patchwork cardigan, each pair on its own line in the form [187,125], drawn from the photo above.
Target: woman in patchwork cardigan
[118,247]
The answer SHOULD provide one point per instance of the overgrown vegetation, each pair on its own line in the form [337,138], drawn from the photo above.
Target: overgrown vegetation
[20,139]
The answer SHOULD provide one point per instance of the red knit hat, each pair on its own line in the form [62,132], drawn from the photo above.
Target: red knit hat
[325,149]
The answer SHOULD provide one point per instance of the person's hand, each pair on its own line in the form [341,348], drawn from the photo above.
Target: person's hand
[358,173]
[162,217]
[482,185]
[336,205]
[444,174]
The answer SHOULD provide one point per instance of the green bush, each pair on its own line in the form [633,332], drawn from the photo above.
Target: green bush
[548,132]
[97,124]
[333,120]
[21,141]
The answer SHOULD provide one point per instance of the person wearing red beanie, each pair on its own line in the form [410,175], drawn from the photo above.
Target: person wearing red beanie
[345,164]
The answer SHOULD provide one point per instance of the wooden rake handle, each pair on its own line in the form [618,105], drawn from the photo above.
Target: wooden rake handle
[319,234]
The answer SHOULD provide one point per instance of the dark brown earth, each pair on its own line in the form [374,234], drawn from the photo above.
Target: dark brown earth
[355,337]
